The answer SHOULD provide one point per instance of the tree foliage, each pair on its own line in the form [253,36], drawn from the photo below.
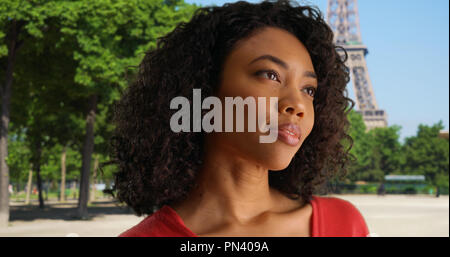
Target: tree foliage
[428,154]
[69,51]
[379,152]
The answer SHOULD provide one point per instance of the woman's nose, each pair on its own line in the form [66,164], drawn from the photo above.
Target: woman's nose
[291,105]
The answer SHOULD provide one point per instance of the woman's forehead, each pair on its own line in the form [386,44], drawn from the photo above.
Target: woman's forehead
[274,42]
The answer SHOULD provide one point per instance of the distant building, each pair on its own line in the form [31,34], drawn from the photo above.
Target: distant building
[443,134]
[343,18]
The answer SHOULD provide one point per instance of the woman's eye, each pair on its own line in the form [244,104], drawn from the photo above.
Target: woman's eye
[311,91]
[269,74]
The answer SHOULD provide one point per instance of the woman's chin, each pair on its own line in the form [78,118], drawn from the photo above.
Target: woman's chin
[279,166]
[277,156]
[276,162]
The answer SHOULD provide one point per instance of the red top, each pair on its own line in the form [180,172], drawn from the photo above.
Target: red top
[331,217]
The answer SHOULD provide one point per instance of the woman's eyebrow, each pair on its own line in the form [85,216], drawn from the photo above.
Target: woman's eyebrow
[310,74]
[283,64]
[272,58]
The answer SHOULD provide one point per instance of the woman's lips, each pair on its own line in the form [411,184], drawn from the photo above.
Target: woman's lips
[289,133]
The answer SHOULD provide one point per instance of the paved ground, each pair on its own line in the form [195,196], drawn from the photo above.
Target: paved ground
[107,219]
[391,215]
[404,215]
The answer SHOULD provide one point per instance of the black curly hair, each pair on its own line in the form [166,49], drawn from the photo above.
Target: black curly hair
[157,166]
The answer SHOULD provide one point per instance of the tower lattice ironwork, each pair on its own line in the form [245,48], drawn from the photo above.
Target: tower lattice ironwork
[343,18]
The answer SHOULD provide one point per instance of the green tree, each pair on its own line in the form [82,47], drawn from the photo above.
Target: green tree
[48,105]
[72,63]
[110,36]
[18,157]
[21,23]
[360,148]
[386,150]
[428,154]
[377,152]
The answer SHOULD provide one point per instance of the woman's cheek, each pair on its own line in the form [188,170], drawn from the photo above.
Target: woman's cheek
[310,122]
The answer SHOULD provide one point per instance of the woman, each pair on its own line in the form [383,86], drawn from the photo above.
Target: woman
[229,183]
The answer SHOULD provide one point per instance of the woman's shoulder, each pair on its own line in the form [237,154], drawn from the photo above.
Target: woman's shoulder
[333,216]
[149,226]
[162,223]
[331,203]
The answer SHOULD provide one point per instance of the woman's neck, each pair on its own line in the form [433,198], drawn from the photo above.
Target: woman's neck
[229,189]
[233,185]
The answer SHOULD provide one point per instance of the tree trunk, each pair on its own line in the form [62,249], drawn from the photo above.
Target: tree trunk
[37,168]
[88,149]
[94,179]
[6,98]
[63,175]
[29,185]
[74,190]
[46,189]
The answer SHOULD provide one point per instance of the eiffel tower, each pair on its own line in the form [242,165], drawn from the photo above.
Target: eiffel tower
[343,18]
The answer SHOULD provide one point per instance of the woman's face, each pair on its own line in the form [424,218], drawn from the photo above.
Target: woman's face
[271,63]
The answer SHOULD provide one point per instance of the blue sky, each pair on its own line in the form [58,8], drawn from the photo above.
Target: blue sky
[408,60]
